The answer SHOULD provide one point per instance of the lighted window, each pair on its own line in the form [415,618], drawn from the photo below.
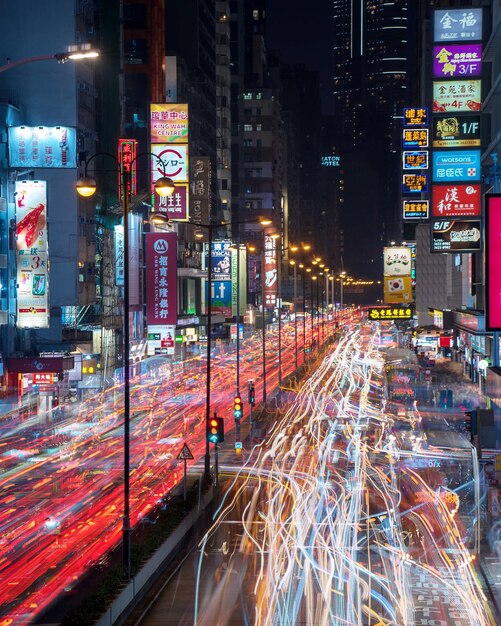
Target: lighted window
[247,128]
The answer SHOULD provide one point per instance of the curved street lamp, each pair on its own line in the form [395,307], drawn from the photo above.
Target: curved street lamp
[76,53]
[86,187]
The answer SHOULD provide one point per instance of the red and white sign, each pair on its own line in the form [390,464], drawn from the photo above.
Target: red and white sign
[270,272]
[456,200]
[493,261]
[174,159]
[161,278]
[43,378]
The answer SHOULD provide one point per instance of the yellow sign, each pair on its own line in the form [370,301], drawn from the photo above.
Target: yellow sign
[415,137]
[415,209]
[397,290]
[169,123]
[390,313]
[416,116]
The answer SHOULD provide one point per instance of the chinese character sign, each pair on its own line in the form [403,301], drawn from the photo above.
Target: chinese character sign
[415,116]
[32,254]
[457,61]
[44,146]
[456,200]
[397,261]
[169,123]
[221,260]
[458,25]
[175,206]
[456,131]
[456,165]
[456,236]
[493,261]
[270,272]
[414,183]
[456,96]
[200,180]
[126,158]
[389,313]
[415,209]
[161,278]
[415,160]
[415,137]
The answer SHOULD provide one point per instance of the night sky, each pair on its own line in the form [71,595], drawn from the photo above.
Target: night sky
[301,34]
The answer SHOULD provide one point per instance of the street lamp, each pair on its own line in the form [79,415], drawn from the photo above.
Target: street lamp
[75,53]
[273,235]
[86,187]
[294,265]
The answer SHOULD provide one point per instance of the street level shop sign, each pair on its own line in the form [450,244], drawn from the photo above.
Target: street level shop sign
[456,131]
[415,116]
[415,209]
[457,96]
[457,60]
[456,200]
[414,183]
[389,313]
[456,165]
[456,236]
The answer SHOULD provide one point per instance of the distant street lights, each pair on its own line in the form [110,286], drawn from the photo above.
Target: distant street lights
[86,187]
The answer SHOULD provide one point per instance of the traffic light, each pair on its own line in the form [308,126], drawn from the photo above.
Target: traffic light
[215,429]
[252,394]
[238,408]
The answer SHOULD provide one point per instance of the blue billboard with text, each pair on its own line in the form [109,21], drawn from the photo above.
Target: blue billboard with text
[457,165]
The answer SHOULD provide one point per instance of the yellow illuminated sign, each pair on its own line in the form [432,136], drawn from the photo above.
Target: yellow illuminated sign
[390,313]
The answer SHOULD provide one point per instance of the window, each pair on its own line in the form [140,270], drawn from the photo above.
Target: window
[259,127]
[247,143]
[247,128]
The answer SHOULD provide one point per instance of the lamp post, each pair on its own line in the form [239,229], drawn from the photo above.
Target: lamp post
[86,187]
[342,276]
[294,265]
[75,53]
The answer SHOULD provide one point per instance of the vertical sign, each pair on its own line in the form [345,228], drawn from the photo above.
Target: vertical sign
[239,282]
[493,261]
[126,158]
[32,254]
[119,255]
[270,273]
[200,174]
[161,278]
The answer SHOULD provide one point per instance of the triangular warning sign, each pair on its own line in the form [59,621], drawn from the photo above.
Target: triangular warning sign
[185,454]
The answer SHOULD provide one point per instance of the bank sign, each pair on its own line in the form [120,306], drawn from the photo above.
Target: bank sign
[456,131]
[461,165]
[457,61]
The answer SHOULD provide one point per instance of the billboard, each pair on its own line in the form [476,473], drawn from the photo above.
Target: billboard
[200,180]
[456,200]
[415,209]
[161,278]
[416,160]
[456,131]
[458,25]
[493,261]
[42,146]
[161,340]
[270,273]
[457,95]
[174,159]
[32,254]
[457,61]
[175,206]
[169,123]
[220,297]
[397,261]
[414,183]
[457,165]
[415,137]
[221,260]
[389,313]
[397,290]
[415,116]
[456,236]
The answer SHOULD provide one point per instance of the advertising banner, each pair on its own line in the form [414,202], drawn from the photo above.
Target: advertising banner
[457,96]
[397,290]
[414,183]
[175,206]
[456,131]
[456,236]
[221,260]
[390,313]
[415,116]
[456,200]
[270,272]
[220,297]
[457,165]
[119,255]
[458,24]
[32,254]
[161,340]
[417,160]
[397,261]
[493,261]
[457,61]
[169,123]
[174,159]
[415,209]
[44,146]
[161,278]
[415,137]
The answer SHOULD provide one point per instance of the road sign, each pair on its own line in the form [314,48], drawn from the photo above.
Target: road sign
[185,454]
[238,445]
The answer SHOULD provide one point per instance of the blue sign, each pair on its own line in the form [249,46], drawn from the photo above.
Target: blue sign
[42,146]
[456,165]
[221,293]
[221,260]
